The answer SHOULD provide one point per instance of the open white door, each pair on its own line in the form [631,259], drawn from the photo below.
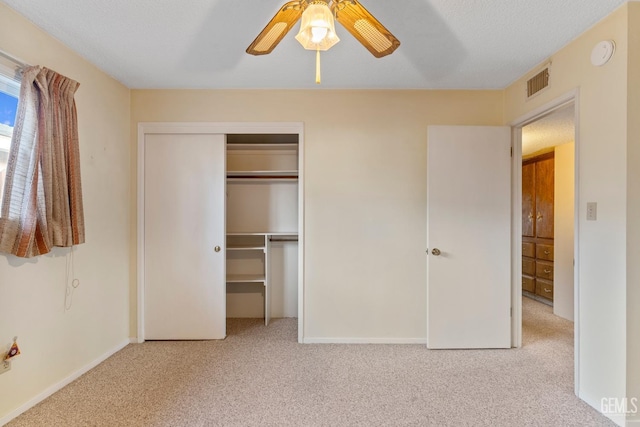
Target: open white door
[468,237]
[184,237]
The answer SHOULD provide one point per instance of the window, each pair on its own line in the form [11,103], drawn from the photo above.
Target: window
[9,94]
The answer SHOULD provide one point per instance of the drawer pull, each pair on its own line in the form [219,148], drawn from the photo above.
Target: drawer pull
[546,271]
[547,290]
[547,252]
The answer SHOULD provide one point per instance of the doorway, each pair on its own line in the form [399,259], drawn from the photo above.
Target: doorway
[548,146]
[552,128]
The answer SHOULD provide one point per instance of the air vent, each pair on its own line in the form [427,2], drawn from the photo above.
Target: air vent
[538,82]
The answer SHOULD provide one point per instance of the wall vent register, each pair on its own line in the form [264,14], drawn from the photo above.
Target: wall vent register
[538,82]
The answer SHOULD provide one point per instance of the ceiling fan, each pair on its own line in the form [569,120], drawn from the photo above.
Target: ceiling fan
[317,31]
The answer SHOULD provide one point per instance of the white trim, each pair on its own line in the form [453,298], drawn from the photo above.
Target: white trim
[220,128]
[301,234]
[59,385]
[145,128]
[318,340]
[576,246]
[516,237]
[546,109]
[571,97]
[140,235]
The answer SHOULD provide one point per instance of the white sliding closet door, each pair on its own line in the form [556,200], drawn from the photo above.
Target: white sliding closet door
[184,237]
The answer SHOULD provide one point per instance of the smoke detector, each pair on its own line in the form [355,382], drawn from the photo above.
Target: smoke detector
[602,52]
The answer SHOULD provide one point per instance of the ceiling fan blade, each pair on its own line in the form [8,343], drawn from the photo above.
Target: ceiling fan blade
[276,29]
[365,27]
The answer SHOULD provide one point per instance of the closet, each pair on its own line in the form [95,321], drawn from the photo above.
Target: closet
[538,226]
[262,226]
[218,226]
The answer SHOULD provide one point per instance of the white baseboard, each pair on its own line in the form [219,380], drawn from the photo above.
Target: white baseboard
[50,390]
[322,340]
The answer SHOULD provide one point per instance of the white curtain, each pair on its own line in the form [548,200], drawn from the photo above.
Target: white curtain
[42,199]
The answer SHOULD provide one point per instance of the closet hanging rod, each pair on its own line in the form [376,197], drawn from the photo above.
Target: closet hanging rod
[283,239]
[13,59]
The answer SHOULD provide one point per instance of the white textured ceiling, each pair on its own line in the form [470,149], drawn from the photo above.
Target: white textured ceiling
[447,44]
[552,130]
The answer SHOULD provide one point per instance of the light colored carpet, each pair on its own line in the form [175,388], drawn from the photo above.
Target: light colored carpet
[260,376]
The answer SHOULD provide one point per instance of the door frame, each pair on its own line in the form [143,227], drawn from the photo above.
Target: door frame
[149,128]
[571,97]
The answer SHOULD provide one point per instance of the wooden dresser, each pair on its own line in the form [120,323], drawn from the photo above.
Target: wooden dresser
[537,225]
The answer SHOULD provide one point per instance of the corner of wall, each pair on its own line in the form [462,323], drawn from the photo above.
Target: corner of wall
[633,214]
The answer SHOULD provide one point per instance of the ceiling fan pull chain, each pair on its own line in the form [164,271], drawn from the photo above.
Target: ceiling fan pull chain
[318,66]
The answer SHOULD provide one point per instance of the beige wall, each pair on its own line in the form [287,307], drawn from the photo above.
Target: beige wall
[365,192]
[56,344]
[563,220]
[633,209]
[602,167]
[365,189]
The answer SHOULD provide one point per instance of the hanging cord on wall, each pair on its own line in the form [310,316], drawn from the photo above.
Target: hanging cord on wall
[70,282]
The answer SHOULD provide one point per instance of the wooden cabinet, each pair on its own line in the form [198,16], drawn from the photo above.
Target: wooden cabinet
[544,288]
[537,225]
[528,283]
[528,199]
[544,198]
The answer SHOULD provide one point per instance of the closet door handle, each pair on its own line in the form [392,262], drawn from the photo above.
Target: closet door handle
[530,216]
[436,252]
[217,249]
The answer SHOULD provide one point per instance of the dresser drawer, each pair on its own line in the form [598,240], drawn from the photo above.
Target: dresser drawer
[528,266]
[529,249]
[544,252]
[528,284]
[544,270]
[544,288]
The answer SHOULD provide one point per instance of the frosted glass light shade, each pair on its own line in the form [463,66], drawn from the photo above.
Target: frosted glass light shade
[317,30]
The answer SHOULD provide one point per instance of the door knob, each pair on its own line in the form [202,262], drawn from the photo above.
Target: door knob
[217,249]
[436,252]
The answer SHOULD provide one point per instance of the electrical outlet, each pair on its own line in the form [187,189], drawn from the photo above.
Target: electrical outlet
[5,366]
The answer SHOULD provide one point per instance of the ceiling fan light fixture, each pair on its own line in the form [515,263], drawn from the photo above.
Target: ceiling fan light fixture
[317,30]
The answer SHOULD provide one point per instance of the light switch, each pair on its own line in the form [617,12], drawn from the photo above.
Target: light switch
[592,211]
